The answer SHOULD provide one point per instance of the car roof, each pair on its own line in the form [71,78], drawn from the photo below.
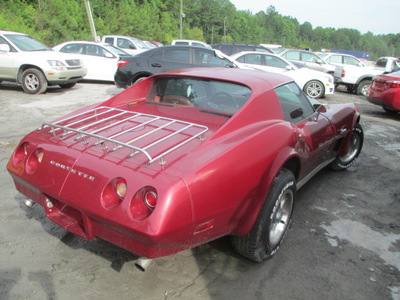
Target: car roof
[85,42]
[256,80]
[12,32]
[254,52]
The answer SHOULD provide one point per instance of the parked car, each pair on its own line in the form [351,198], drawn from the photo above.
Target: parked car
[312,60]
[130,44]
[133,69]
[342,59]
[388,64]
[100,59]
[150,44]
[232,48]
[185,157]
[190,43]
[35,66]
[385,91]
[314,83]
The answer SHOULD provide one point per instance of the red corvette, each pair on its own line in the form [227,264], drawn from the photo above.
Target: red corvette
[385,91]
[185,157]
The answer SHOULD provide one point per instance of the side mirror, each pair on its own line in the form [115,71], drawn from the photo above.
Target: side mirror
[109,55]
[288,68]
[319,108]
[4,48]
[131,46]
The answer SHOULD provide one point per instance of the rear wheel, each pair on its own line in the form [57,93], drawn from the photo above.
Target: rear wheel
[362,88]
[273,221]
[314,89]
[33,81]
[139,80]
[355,145]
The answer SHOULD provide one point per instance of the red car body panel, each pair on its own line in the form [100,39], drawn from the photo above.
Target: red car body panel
[207,188]
[385,90]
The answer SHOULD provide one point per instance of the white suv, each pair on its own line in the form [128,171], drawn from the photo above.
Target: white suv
[34,65]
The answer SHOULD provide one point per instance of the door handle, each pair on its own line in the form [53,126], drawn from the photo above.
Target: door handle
[156,65]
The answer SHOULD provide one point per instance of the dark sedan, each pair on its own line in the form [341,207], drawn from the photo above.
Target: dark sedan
[385,91]
[133,69]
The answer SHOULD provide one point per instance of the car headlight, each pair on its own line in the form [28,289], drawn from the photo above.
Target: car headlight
[57,65]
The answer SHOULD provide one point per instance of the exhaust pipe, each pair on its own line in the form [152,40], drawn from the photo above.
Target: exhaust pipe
[29,203]
[142,263]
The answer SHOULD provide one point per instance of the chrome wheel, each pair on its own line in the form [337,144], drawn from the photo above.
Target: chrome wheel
[280,217]
[314,89]
[32,82]
[354,148]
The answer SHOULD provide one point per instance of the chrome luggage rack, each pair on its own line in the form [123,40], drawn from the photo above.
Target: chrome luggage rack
[138,132]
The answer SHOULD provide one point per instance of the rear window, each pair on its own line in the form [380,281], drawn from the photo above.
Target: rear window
[210,95]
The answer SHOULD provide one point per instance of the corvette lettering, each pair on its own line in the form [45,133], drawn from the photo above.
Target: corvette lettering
[72,170]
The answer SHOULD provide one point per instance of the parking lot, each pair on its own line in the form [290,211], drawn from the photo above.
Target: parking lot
[344,240]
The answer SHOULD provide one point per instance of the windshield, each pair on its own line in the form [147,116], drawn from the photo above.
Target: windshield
[27,43]
[139,43]
[211,95]
[116,50]
[322,55]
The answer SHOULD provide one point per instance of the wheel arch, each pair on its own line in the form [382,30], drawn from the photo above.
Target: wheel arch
[362,78]
[284,160]
[24,67]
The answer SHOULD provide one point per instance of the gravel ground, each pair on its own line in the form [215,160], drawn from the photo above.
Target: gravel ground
[344,241]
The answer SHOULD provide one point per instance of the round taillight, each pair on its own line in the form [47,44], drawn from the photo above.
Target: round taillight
[114,192]
[34,160]
[121,188]
[143,202]
[150,199]
[20,154]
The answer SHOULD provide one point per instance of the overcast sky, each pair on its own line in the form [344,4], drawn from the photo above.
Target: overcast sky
[378,17]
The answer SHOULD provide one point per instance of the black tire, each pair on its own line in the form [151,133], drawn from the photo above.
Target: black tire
[388,110]
[363,86]
[68,85]
[273,221]
[345,161]
[33,81]
[350,89]
[314,89]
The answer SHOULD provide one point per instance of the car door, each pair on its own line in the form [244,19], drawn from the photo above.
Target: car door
[8,61]
[169,59]
[208,58]
[314,131]
[100,62]
[312,61]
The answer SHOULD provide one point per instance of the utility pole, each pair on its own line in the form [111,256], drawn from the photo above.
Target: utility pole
[180,20]
[91,22]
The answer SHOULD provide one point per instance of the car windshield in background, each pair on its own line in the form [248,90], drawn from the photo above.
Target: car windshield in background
[116,50]
[212,95]
[27,43]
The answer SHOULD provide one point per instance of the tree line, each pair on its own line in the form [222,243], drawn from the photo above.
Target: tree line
[212,21]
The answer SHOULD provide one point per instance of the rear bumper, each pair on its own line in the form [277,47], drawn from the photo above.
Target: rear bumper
[135,237]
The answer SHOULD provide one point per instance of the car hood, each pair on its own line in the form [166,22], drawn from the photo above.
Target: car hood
[49,55]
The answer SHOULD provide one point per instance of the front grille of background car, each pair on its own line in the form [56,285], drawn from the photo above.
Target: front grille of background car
[73,62]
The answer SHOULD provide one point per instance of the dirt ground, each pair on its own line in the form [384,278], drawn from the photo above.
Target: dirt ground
[344,241]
